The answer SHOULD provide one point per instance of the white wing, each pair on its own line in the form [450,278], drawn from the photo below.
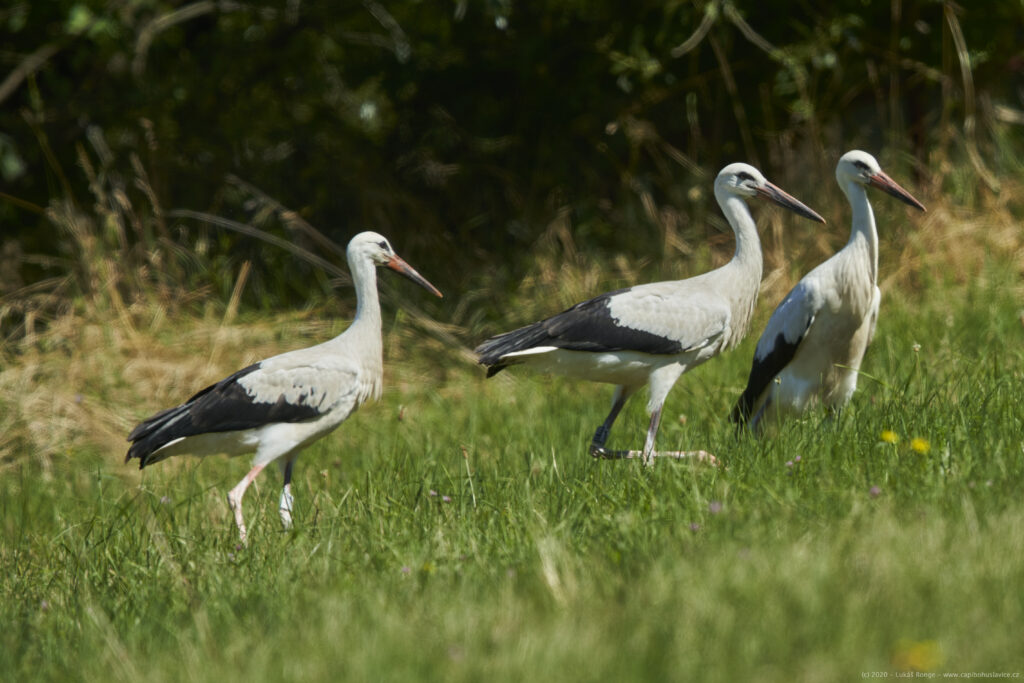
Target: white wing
[668,310]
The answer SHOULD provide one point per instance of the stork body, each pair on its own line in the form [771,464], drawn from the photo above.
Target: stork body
[278,406]
[814,342]
[651,334]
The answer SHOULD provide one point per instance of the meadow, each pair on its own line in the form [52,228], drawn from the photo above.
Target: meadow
[458,531]
[177,181]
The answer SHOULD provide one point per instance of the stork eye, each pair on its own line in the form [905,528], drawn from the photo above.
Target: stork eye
[743,175]
[861,165]
[383,245]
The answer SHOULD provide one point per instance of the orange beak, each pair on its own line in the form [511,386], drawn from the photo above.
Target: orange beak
[776,194]
[400,266]
[890,186]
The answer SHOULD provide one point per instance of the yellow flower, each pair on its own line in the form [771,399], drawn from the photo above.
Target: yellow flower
[890,436]
[920,445]
[921,655]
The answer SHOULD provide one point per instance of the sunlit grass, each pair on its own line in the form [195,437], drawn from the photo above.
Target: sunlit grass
[457,530]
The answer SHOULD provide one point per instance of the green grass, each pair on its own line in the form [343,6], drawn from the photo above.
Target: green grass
[458,531]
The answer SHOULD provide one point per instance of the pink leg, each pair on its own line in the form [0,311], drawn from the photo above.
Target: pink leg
[287,500]
[648,454]
[235,498]
[652,431]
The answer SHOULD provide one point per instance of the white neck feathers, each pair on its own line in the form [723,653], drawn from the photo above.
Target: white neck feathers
[863,233]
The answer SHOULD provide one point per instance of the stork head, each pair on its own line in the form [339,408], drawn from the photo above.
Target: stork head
[376,249]
[862,168]
[743,180]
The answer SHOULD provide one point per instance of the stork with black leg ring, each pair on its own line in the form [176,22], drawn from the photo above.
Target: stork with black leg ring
[651,334]
[280,405]
[812,347]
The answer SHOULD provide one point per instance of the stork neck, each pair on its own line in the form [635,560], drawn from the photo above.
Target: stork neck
[863,233]
[748,244]
[364,277]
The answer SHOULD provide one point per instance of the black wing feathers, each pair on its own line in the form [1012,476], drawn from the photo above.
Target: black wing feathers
[587,326]
[222,407]
[762,372]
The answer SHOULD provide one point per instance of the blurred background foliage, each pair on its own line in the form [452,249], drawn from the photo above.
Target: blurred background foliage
[138,137]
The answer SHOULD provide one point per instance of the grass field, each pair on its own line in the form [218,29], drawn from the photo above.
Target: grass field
[457,530]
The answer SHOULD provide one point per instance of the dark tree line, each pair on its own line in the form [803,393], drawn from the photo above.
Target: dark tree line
[462,128]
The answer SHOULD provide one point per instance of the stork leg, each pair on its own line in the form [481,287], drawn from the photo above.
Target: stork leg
[661,382]
[648,454]
[287,501]
[755,422]
[622,393]
[833,417]
[235,498]
[652,431]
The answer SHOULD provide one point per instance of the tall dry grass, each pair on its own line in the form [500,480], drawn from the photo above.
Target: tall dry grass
[127,327]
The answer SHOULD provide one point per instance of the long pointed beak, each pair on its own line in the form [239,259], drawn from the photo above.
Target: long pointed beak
[776,194]
[397,264]
[890,186]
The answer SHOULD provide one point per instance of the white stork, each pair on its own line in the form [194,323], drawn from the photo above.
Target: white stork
[282,404]
[812,347]
[651,334]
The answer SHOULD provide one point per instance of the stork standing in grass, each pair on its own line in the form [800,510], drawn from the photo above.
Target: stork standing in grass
[651,334]
[813,345]
[280,405]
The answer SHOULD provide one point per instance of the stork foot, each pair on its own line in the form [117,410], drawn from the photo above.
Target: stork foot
[700,456]
[236,507]
[235,499]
